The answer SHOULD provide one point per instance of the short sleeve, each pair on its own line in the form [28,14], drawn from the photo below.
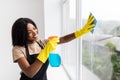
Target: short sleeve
[17,54]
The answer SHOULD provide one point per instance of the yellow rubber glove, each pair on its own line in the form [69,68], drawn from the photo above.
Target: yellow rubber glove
[87,27]
[50,46]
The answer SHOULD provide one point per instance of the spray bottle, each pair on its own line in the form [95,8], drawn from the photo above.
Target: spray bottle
[54,57]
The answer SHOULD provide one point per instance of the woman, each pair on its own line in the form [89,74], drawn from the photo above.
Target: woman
[31,53]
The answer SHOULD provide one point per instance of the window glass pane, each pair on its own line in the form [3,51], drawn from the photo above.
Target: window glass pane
[101,50]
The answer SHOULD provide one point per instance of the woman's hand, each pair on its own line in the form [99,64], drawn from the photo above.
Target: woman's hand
[50,46]
[87,27]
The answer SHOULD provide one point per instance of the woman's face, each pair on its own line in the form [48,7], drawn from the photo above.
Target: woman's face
[32,33]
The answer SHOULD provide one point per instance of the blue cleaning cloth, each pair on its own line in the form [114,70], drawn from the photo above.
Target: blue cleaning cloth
[94,22]
[54,60]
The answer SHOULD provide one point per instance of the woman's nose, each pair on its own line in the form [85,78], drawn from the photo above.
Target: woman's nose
[34,32]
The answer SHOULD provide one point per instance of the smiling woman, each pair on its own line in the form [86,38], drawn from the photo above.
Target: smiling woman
[31,53]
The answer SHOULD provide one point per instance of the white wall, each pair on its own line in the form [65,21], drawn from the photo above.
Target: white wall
[52,12]
[10,11]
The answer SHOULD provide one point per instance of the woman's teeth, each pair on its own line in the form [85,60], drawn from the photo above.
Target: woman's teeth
[35,36]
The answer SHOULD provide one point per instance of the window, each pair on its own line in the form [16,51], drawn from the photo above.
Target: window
[101,50]
[69,52]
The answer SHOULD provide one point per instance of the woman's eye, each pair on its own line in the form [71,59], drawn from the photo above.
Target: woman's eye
[29,32]
[34,29]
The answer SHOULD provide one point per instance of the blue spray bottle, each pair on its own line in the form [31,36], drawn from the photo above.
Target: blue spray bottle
[54,57]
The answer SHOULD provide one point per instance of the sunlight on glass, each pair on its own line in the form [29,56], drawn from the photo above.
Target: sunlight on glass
[102,9]
[101,50]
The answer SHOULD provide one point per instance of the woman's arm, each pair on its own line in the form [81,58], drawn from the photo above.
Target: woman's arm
[31,70]
[27,69]
[67,38]
[80,32]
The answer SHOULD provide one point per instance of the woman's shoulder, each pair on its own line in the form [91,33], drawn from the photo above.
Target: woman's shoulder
[18,52]
[20,48]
